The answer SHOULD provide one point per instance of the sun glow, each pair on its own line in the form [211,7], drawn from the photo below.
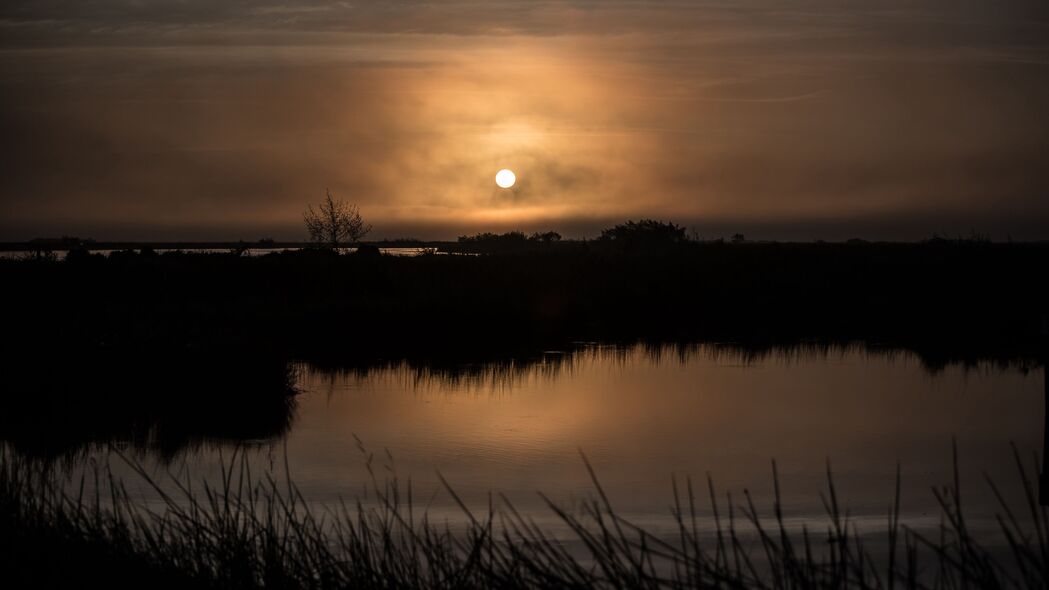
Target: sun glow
[505,178]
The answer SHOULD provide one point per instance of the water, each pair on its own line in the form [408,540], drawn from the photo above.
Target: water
[61,254]
[641,416]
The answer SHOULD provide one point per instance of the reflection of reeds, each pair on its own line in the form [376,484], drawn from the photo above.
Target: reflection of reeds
[496,372]
[252,530]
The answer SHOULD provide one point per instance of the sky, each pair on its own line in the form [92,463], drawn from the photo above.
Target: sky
[779,119]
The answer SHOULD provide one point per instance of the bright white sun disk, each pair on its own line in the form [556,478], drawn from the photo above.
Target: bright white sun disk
[505,178]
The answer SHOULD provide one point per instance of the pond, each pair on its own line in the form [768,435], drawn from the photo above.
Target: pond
[644,415]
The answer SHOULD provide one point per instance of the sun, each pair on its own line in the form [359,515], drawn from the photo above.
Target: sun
[505,178]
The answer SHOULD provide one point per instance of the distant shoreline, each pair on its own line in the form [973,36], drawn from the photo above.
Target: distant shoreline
[59,244]
[31,246]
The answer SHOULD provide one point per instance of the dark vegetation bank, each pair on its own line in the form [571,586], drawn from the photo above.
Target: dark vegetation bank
[948,300]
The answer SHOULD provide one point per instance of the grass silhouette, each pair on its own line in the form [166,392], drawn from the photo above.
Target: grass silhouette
[254,530]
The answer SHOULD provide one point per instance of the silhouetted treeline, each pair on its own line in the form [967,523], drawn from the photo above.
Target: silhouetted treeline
[646,235]
[509,242]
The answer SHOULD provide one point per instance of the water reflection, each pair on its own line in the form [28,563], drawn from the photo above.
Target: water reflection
[60,254]
[640,414]
[503,373]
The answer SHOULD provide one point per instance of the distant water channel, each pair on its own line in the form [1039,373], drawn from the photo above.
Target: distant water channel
[61,254]
[642,415]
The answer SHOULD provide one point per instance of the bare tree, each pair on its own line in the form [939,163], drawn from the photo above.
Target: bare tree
[335,222]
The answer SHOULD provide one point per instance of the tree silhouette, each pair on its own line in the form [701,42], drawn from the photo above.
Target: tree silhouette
[335,222]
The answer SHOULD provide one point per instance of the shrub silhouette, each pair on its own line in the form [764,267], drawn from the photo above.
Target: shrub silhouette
[644,234]
[335,222]
[549,236]
[509,242]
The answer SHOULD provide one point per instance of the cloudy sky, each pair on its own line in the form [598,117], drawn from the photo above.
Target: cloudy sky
[783,119]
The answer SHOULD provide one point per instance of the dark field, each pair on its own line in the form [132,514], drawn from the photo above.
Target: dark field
[947,300]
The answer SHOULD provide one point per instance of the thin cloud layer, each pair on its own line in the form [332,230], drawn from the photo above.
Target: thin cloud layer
[786,120]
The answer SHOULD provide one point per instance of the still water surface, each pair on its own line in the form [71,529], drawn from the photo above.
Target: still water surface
[641,416]
[61,254]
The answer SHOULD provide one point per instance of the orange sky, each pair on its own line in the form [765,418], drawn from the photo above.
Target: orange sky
[790,120]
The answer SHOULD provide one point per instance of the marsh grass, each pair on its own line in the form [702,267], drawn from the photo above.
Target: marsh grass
[946,301]
[253,530]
